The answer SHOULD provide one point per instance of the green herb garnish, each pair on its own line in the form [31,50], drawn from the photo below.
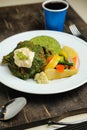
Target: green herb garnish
[21,56]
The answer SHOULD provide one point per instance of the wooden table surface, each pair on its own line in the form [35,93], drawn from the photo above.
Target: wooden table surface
[22,18]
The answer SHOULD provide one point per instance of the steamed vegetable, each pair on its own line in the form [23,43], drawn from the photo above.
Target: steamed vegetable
[64,64]
[54,74]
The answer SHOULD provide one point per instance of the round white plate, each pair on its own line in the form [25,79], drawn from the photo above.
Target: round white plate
[55,86]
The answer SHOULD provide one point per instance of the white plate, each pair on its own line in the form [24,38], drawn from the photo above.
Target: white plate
[55,86]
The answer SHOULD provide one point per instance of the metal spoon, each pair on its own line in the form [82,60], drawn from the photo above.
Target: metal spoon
[12,108]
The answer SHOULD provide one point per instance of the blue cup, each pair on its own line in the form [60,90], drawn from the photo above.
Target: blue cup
[55,14]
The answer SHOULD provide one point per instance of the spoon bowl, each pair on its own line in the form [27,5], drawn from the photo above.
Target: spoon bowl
[12,108]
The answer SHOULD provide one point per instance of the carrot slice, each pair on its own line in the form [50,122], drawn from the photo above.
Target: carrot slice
[60,68]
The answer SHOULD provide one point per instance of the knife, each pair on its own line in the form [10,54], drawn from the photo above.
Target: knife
[78,126]
[56,121]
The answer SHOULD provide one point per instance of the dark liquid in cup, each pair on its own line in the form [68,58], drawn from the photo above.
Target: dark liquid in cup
[55,5]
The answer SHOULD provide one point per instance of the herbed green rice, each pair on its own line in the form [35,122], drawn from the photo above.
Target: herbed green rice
[49,42]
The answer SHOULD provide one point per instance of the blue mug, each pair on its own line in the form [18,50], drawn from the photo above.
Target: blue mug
[55,14]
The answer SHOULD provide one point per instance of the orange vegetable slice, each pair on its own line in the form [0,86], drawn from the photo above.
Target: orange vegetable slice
[60,68]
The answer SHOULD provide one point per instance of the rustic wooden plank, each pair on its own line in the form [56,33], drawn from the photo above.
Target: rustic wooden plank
[18,19]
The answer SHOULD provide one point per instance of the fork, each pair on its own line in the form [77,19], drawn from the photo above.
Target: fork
[76,32]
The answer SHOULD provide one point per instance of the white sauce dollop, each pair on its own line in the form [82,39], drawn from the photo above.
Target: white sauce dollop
[27,62]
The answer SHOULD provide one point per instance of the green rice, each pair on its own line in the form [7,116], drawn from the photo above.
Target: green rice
[46,41]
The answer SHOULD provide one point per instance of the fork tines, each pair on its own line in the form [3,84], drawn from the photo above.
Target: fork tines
[74,30]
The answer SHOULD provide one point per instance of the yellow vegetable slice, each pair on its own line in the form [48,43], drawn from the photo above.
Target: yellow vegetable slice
[54,74]
[69,51]
[63,53]
[53,62]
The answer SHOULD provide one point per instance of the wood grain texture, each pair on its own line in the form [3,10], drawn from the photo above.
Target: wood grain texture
[23,18]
